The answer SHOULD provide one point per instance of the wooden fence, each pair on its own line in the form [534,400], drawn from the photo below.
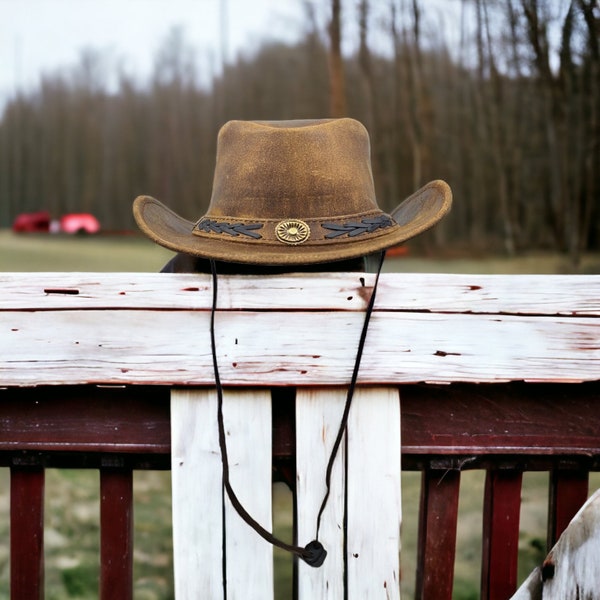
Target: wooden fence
[114,371]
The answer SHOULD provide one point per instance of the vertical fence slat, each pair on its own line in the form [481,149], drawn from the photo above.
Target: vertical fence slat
[371,498]
[202,517]
[501,514]
[116,535]
[571,570]
[27,533]
[373,491]
[568,493]
[247,419]
[197,495]
[437,534]
[318,415]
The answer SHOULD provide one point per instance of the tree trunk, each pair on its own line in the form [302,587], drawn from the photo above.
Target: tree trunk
[336,69]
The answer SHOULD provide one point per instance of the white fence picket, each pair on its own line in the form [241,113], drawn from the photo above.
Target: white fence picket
[318,415]
[247,418]
[373,490]
[572,569]
[197,495]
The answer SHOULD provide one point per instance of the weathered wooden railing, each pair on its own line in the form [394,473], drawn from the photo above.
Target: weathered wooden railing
[115,372]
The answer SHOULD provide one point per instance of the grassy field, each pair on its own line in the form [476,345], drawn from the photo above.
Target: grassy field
[134,253]
[72,533]
[44,252]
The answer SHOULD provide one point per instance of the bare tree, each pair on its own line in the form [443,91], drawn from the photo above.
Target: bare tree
[336,67]
[512,121]
[570,99]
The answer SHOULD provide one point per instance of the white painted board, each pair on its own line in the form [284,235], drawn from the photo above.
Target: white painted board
[568,295]
[247,419]
[365,490]
[292,348]
[373,488]
[318,415]
[197,493]
[198,497]
[571,570]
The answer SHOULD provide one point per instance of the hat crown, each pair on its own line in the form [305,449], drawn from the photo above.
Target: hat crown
[293,193]
[292,169]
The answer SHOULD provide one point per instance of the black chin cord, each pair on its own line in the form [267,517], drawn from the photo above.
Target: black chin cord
[313,553]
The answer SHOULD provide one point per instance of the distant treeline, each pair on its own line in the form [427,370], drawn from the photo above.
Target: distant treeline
[509,120]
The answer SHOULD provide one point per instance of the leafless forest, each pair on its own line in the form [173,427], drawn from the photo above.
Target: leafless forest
[508,114]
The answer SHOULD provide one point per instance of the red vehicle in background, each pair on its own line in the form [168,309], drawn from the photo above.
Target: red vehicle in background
[79,223]
[35,222]
[40,222]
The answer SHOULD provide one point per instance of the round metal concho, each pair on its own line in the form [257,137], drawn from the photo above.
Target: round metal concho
[292,231]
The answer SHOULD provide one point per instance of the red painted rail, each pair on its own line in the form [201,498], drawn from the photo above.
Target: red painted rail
[506,429]
[87,364]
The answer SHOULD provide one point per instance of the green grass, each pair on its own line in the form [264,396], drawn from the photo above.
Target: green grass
[72,533]
[542,263]
[134,253]
[72,505]
[45,252]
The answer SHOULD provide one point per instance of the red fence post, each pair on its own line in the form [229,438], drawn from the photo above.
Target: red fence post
[437,534]
[568,493]
[501,515]
[116,535]
[26,533]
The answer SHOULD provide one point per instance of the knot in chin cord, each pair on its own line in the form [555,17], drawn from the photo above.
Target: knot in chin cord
[313,553]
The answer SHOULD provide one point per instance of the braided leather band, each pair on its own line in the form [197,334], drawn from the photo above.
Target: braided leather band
[317,230]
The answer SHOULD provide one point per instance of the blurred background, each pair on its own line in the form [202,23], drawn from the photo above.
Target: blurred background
[102,100]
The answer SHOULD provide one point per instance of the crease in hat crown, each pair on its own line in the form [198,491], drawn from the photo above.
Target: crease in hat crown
[293,192]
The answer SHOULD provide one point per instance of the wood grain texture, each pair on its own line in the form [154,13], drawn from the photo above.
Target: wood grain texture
[437,533]
[501,513]
[116,534]
[570,295]
[27,533]
[318,416]
[247,420]
[131,419]
[207,532]
[197,492]
[536,420]
[121,329]
[373,490]
[568,493]
[361,523]
[571,571]
[300,330]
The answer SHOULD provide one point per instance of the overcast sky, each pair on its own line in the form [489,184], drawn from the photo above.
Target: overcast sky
[39,36]
[45,36]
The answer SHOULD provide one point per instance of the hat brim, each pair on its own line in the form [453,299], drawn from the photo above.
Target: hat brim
[419,212]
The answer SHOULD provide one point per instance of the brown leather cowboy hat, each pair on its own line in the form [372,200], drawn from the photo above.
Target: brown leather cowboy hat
[291,193]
